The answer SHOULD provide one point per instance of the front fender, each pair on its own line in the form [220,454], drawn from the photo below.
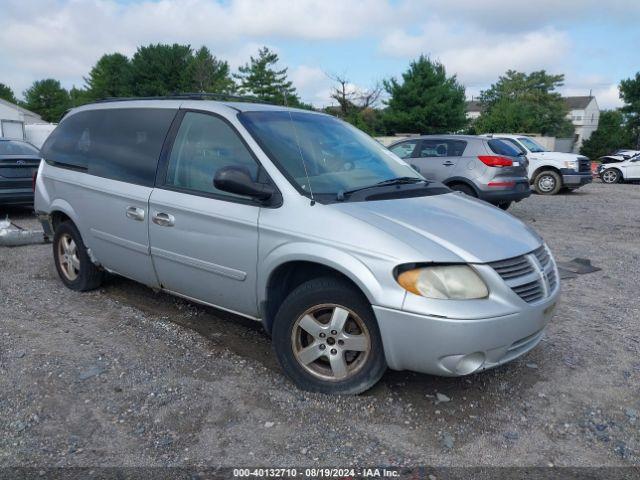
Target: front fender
[345,263]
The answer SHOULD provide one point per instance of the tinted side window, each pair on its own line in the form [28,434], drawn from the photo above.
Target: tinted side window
[501,147]
[442,148]
[69,144]
[203,145]
[514,144]
[404,149]
[128,143]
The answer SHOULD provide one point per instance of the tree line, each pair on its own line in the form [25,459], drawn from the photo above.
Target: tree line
[425,99]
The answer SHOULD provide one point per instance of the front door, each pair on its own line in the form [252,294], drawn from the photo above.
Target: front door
[633,170]
[204,242]
[436,160]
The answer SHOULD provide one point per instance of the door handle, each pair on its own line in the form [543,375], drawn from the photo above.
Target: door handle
[448,164]
[135,213]
[163,219]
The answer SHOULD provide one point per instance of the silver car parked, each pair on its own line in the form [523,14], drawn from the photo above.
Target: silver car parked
[489,169]
[352,261]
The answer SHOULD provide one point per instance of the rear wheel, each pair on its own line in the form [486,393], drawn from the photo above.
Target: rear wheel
[73,264]
[611,175]
[466,189]
[327,340]
[547,182]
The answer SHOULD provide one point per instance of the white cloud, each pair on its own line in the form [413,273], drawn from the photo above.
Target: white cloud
[479,56]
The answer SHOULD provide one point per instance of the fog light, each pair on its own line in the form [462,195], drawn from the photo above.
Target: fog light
[463,364]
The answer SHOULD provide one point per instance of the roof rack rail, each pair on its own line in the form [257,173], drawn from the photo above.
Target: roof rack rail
[188,96]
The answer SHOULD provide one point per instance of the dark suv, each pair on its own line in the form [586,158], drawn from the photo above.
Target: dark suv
[489,169]
[18,163]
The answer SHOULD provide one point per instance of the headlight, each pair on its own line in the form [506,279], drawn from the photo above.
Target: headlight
[573,164]
[457,282]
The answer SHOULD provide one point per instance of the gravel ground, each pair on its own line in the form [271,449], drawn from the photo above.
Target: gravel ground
[123,376]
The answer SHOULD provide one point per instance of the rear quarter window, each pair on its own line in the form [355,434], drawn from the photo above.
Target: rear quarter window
[500,147]
[116,143]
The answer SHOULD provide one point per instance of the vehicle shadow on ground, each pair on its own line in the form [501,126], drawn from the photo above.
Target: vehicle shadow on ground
[247,338]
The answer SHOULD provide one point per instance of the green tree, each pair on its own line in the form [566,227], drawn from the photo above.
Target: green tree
[206,73]
[630,95]
[78,96]
[110,77]
[523,103]
[425,101]
[260,78]
[48,99]
[160,69]
[7,94]
[612,134]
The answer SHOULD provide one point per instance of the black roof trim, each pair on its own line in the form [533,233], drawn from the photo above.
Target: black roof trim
[189,96]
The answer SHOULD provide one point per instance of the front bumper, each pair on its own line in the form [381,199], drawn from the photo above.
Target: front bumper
[573,179]
[452,347]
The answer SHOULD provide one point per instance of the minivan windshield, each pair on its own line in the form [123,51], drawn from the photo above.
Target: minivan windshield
[533,146]
[322,155]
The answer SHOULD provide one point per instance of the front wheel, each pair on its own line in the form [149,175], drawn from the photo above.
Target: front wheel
[611,175]
[547,182]
[327,340]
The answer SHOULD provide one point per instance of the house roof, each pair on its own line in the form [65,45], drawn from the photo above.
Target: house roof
[24,111]
[473,106]
[577,103]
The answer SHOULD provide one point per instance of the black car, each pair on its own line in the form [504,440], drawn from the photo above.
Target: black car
[18,163]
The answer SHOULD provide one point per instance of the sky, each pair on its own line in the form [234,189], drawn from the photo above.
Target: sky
[593,43]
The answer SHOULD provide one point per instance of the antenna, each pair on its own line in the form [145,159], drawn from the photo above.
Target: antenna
[295,133]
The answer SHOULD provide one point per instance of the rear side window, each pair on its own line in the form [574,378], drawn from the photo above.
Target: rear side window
[404,149]
[442,148]
[117,143]
[501,147]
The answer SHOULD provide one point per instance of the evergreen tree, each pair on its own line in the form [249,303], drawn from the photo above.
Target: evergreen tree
[7,94]
[630,95]
[48,99]
[158,70]
[206,73]
[261,79]
[612,134]
[110,77]
[425,100]
[521,103]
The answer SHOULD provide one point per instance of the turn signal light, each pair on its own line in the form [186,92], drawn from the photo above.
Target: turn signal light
[495,161]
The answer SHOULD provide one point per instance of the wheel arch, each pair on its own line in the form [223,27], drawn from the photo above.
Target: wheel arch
[285,271]
[544,168]
[617,169]
[465,181]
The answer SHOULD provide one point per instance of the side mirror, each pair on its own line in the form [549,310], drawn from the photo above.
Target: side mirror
[237,180]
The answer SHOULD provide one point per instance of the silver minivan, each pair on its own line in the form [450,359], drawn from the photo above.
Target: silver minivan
[352,261]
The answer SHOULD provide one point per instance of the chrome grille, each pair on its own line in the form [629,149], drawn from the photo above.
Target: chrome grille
[512,267]
[532,276]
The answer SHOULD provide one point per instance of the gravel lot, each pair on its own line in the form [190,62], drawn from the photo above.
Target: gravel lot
[123,376]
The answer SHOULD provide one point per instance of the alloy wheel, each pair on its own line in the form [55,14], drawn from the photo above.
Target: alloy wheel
[331,342]
[609,176]
[68,257]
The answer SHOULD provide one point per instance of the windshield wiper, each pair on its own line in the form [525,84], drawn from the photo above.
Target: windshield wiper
[392,181]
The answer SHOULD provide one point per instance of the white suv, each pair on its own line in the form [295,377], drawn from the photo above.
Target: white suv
[620,166]
[549,172]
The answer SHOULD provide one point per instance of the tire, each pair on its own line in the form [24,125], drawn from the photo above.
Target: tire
[611,175]
[466,189]
[315,304]
[504,205]
[75,268]
[547,182]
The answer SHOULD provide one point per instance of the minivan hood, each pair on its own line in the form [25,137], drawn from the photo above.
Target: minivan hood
[447,228]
